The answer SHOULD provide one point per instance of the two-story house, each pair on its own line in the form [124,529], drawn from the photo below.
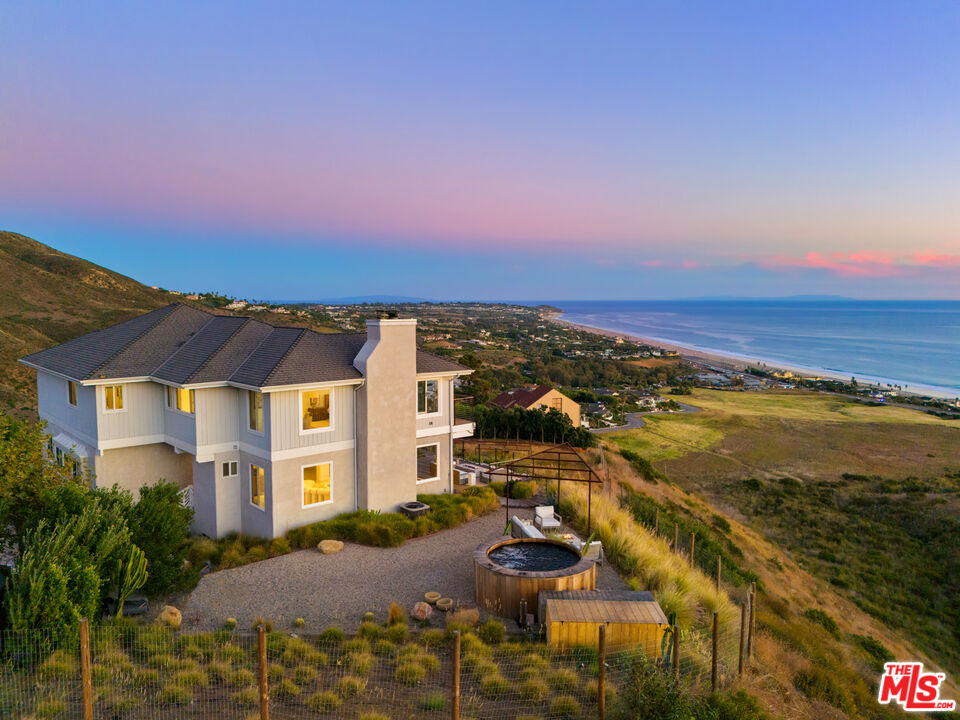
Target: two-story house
[272,427]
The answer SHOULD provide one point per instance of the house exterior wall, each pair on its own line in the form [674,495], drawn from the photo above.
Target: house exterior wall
[570,407]
[133,467]
[287,419]
[442,483]
[442,418]
[387,415]
[218,415]
[253,520]
[287,507]
[180,427]
[81,421]
[142,415]
[258,440]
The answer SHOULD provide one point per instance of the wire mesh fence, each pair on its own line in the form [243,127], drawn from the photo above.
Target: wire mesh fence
[148,672]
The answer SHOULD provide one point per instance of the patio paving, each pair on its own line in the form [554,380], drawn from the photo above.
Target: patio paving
[338,589]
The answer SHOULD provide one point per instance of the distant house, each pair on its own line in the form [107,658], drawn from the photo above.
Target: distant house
[236,305]
[540,397]
[271,427]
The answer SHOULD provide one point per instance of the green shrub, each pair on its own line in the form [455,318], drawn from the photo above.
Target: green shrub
[304,674]
[519,490]
[566,706]
[818,684]
[275,672]
[360,663]
[434,701]
[374,716]
[822,619]
[384,648]
[247,696]
[410,673]
[172,694]
[738,705]
[356,645]
[877,654]
[189,678]
[534,690]
[492,631]
[651,694]
[563,680]
[278,546]
[433,638]
[332,635]
[324,700]
[370,631]
[230,654]
[398,632]
[59,666]
[160,527]
[494,684]
[396,615]
[472,644]
[240,677]
[484,668]
[49,708]
[230,624]
[351,685]
[286,688]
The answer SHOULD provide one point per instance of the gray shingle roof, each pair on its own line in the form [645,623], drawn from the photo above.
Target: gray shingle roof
[184,345]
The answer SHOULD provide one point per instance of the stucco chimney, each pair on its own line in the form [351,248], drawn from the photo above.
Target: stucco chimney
[387,415]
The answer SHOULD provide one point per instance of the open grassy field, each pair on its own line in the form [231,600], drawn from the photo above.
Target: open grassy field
[865,498]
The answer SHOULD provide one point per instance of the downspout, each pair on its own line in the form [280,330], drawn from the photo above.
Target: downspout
[450,455]
[356,451]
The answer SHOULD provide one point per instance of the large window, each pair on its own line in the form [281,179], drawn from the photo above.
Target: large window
[428,396]
[315,406]
[255,410]
[257,494]
[317,485]
[113,397]
[427,463]
[72,392]
[181,399]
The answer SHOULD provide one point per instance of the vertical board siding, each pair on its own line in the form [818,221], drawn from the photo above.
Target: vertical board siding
[286,419]
[52,400]
[219,415]
[143,412]
[179,426]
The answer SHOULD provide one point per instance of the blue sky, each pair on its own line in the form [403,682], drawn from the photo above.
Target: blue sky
[490,150]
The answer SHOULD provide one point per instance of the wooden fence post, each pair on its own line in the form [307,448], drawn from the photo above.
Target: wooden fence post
[716,650]
[719,570]
[676,652]
[676,538]
[753,621]
[656,523]
[743,637]
[602,673]
[693,544]
[85,670]
[455,699]
[262,662]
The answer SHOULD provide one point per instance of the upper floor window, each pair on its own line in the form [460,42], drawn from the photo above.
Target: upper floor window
[428,396]
[255,408]
[315,408]
[72,392]
[258,497]
[181,399]
[317,485]
[113,397]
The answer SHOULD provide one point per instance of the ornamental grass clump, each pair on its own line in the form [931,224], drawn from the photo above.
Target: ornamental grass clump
[563,680]
[190,678]
[397,615]
[410,673]
[58,666]
[173,694]
[304,674]
[434,702]
[384,648]
[361,663]
[356,645]
[565,706]
[286,688]
[324,701]
[533,690]
[331,636]
[494,684]
[351,685]
[492,632]
[248,696]
[370,631]
[433,638]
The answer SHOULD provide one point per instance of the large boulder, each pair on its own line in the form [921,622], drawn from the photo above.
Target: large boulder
[329,547]
[170,616]
[421,611]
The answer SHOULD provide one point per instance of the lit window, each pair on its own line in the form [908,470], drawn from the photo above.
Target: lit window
[257,495]
[427,463]
[181,399]
[230,469]
[113,395]
[72,392]
[558,403]
[315,405]
[317,486]
[255,405]
[428,396]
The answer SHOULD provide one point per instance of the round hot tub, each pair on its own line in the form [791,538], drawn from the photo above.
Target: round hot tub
[509,570]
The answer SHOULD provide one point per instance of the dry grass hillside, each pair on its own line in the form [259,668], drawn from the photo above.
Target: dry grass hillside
[48,297]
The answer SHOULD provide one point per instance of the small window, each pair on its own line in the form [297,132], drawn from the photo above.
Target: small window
[59,457]
[72,392]
[427,463]
[315,405]
[257,495]
[428,396]
[230,469]
[113,397]
[317,486]
[255,406]
[181,399]
[557,403]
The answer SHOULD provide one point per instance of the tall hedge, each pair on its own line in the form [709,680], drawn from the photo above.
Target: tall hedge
[160,526]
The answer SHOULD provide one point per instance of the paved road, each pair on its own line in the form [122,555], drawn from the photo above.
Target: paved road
[635,420]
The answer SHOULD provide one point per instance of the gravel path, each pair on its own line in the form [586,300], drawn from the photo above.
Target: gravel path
[339,589]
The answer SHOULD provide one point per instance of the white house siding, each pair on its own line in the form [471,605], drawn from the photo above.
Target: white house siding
[180,427]
[141,417]
[288,511]
[426,422]
[133,467]
[79,422]
[286,419]
[257,440]
[253,520]
[218,415]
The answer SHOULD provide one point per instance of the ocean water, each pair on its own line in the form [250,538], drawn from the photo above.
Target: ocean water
[909,343]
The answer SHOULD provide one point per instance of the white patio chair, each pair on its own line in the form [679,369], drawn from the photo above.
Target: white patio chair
[545,518]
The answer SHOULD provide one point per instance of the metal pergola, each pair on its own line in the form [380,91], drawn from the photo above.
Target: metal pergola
[562,463]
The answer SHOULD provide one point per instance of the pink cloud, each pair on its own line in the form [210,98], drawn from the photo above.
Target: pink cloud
[937,260]
[861,264]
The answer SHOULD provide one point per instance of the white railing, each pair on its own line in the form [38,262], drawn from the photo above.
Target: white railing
[186,497]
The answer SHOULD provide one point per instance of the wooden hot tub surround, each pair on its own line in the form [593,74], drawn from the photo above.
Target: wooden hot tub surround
[499,589]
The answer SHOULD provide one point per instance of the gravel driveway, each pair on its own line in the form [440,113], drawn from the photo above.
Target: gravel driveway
[339,589]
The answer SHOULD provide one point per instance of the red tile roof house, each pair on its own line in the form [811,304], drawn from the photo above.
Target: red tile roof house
[272,427]
[540,397]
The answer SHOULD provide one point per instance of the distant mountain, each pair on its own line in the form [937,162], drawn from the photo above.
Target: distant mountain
[47,297]
[371,299]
